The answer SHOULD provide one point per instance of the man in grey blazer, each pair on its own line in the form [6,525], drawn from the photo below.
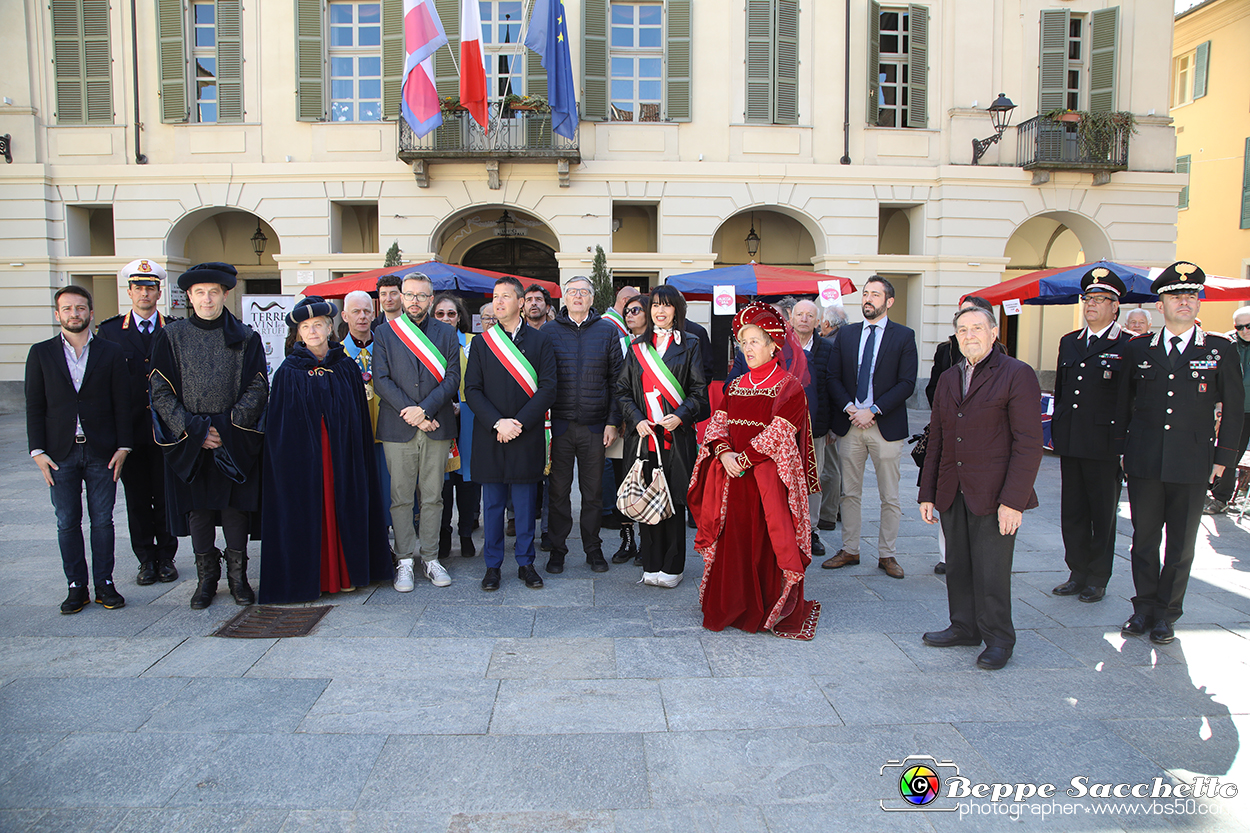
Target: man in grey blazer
[416,375]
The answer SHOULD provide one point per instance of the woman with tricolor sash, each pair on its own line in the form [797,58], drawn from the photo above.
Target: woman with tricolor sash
[459,489]
[660,392]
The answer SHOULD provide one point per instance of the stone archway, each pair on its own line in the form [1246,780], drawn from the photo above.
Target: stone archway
[224,234]
[785,240]
[520,243]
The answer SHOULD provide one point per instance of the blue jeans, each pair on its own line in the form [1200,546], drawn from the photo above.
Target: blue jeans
[82,466]
[494,496]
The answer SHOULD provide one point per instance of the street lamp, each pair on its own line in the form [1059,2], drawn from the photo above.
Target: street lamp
[753,240]
[504,225]
[1000,117]
[258,242]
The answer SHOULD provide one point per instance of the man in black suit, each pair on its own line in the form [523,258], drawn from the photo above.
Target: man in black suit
[144,475]
[873,371]
[1086,385]
[78,427]
[1165,414]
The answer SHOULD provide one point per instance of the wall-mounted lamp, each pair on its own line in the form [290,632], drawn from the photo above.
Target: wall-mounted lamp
[1000,117]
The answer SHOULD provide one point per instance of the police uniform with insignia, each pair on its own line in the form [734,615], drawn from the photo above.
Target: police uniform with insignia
[144,474]
[1171,385]
[1086,387]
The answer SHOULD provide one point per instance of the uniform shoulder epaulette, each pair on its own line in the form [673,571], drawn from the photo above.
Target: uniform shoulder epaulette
[1209,333]
[1142,335]
[1074,332]
[117,317]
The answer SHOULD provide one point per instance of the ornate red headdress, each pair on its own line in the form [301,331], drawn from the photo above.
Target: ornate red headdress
[764,316]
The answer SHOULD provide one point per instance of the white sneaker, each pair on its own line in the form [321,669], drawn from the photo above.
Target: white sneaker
[437,574]
[651,578]
[403,576]
[669,580]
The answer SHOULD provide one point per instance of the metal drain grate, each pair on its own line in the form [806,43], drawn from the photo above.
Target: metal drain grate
[273,622]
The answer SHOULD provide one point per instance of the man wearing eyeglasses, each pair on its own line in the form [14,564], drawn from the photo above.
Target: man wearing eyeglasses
[416,374]
[1087,381]
[1222,490]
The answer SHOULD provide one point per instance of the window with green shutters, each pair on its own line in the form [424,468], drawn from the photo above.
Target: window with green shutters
[1078,60]
[1182,167]
[636,60]
[82,61]
[898,66]
[345,63]
[772,61]
[1245,187]
[1202,64]
[200,49]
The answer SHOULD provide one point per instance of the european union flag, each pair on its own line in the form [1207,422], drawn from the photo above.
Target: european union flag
[548,35]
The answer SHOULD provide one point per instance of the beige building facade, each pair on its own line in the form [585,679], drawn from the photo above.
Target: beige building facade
[842,132]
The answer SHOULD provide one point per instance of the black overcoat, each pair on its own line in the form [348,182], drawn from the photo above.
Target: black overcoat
[1087,383]
[122,331]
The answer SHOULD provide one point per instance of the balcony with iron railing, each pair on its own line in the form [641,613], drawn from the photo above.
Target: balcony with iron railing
[1075,142]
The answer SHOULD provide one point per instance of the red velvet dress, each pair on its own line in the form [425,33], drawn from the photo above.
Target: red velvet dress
[754,531]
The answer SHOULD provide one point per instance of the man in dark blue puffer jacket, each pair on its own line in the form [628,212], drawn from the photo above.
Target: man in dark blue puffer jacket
[583,419]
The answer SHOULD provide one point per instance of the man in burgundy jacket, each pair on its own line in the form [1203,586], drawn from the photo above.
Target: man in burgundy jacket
[985,447]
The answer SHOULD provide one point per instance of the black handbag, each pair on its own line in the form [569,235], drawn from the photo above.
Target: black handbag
[920,446]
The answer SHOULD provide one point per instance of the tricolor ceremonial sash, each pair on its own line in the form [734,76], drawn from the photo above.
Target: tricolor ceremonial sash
[420,345]
[658,382]
[617,319]
[521,370]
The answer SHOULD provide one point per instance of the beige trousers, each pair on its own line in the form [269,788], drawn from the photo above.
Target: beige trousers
[419,462]
[854,450]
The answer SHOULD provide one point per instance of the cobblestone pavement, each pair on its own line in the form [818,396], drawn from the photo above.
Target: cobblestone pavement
[598,704]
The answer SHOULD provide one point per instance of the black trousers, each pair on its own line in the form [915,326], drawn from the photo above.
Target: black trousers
[467,496]
[1156,506]
[581,445]
[143,475]
[978,575]
[235,524]
[1088,506]
[1224,484]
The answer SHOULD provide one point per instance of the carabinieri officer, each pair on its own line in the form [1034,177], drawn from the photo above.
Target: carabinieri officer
[1172,383]
[1086,386]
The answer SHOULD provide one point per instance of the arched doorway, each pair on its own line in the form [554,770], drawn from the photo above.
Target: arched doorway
[783,240]
[226,235]
[515,256]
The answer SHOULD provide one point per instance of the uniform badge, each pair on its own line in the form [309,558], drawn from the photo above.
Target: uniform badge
[1106,374]
[1202,387]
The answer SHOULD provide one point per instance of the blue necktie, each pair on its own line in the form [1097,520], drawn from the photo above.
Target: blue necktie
[865,366]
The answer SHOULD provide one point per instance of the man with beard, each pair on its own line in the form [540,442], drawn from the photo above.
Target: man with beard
[144,475]
[537,306]
[416,373]
[78,426]
[872,373]
[209,389]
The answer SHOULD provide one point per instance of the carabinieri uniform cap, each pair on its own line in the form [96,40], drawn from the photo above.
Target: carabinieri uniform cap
[1181,276]
[1102,279]
[311,307]
[142,272]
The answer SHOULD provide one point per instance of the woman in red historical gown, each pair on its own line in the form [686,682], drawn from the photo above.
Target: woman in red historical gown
[749,492]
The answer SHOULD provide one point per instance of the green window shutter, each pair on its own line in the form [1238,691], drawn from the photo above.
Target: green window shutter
[1202,65]
[393,57]
[310,103]
[229,61]
[1103,36]
[918,67]
[677,69]
[67,61]
[759,61]
[595,60]
[1052,76]
[1182,167]
[1245,188]
[446,78]
[97,61]
[786,88]
[874,61]
[173,61]
[537,130]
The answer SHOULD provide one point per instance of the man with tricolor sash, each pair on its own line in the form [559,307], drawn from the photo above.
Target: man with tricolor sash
[416,375]
[510,383]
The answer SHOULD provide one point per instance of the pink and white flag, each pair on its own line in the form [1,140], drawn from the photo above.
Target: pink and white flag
[423,36]
[472,62]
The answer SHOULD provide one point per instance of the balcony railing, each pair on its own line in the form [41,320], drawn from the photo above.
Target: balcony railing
[1048,144]
[517,134]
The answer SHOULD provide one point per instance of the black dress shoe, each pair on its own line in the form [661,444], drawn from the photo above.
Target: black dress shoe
[826,525]
[76,600]
[1137,624]
[555,564]
[940,568]
[166,571]
[1092,593]
[993,658]
[467,549]
[491,580]
[544,543]
[1162,633]
[818,546]
[597,562]
[147,574]
[949,638]
[530,576]
[1068,588]
[106,594]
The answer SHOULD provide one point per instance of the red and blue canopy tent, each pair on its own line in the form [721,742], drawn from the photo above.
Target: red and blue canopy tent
[1063,286]
[445,277]
[753,279]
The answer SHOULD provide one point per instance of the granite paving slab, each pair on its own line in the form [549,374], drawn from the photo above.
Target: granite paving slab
[216,820]
[694,704]
[457,620]
[434,706]
[567,822]
[85,656]
[19,746]
[696,815]
[210,656]
[1031,651]
[1188,746]
[248,705]
[562,659]
[594,621]
[658,658]
[40,704]
[357,620]
[527,707]
[365,821]
[376,657]
[851,654]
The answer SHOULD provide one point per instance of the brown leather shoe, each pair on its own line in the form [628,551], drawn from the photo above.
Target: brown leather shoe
[840,560]
[891,567]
